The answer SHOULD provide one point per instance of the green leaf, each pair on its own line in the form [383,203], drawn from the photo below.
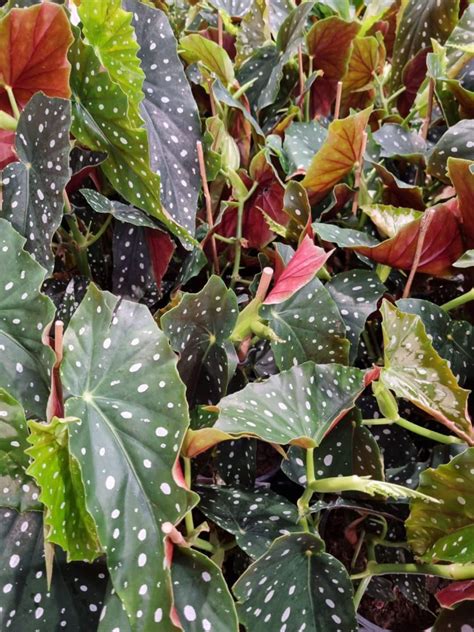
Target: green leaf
[343,237]
[67,520]
[417,24]
[302,141]
[236,461]
[100,121]
[33,187]
[198,328]
[234,8]
[254,516]
[445,533]
[202,599]
[120,379]
[109,31]
[396,141]
[24,315]
[123,212]
[74,599]
[290,33]
[265,66]
[279,11]
[254,29]
[457,142]
[415,371]
[356,294]
[452,339]
[296,584]
[195,48]
[466,261]
[390,219]
[170,113]
[298,406]
[309,326]
[13,431]
[462,36]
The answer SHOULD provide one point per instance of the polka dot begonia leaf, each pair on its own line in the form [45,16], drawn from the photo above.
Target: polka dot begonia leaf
[419,22]
[297,406]
[452,339]
[309,326]
[198,328]
[366,62]
[395,141]
[445,533]
[462,37]
[201,597]
[302,141]
[343,237]
[107,27]
[195,48]
[33,53]
[338,154]
[120,379]
[455,619]
[254,29]
[25,362]
[170,113]
[75,597]
[254,516]
[82,159]
[234,8]
[123,212]
[458,142]
[100,121]
[356,294]
[390,219]
[279,10]
[461,173]
[236,462]
[56,471]
[265,66]
[33,187]
[296,585]
[414,370]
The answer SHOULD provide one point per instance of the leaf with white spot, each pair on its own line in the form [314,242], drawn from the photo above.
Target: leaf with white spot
[356,294]
[254,516]
[309,326]
[419,22]
[254,29]
[170,113]
[236,461]
[56,471]
[75,598]
[414,370]
[201,597]
[457,141]
[295,583]
[100,121]
[452,339]
[120,379]
[105,24]
[33,187]
[81,160]
[198,328]
[302,141]
[25,361]
[234,8]
[343,237]
[396,142]
[455,619]
[390,219]
[446,532]
[298,406]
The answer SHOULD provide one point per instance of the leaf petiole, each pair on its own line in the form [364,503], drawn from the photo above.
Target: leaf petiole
[448,571]
[458,301]
[415,428]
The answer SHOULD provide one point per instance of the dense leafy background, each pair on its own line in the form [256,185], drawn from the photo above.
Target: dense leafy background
[236,342]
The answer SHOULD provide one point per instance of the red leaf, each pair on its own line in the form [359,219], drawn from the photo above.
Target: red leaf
[413,76]
[463,182]
[161,248]
[456,592]
[442,246]
[304,264]
[33,53]
[7,154]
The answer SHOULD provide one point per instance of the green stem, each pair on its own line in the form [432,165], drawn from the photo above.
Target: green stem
[91,240]
[307,96]
[303,502]
[415,428]
[13,105]
[204,545]
[238,245]
[188,518]
[361,588]
[81,252]
[448,571]
[323,274]
[458,301]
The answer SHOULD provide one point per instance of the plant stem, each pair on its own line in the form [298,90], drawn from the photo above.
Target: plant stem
[13,104]
[188,518]
[424,225]
[448,571]
[207,198]
[303,502]
[361,588]
[337,107]
[98,234]
[307,96]
[238,235]
[458,301]
[81,252]
[415,428]
[199,543]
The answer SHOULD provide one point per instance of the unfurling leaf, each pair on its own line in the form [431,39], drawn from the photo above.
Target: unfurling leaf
[446,532]
[415,371]
[57,472]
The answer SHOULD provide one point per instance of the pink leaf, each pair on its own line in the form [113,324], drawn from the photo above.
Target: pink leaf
[456,592]
[161,248]
[304,264]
